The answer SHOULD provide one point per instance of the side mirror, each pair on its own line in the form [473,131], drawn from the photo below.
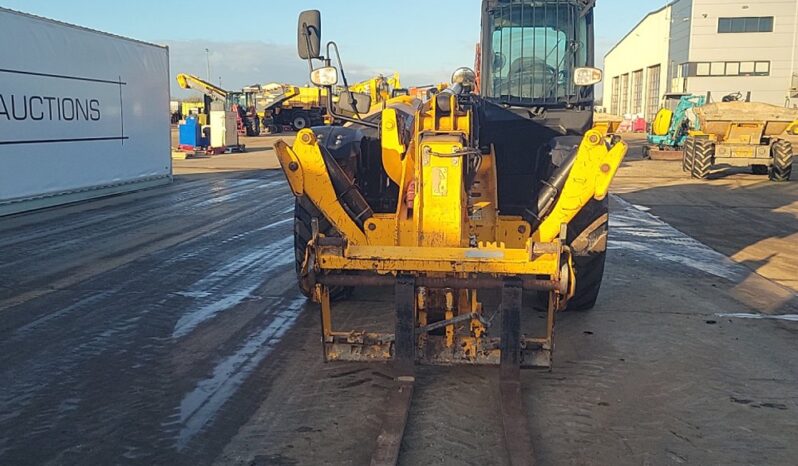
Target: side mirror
[309,34]
[354,103]
[587,76]
[326,77]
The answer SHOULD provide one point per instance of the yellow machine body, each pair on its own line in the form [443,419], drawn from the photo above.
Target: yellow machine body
[443,231]
[662,122]
[380,88]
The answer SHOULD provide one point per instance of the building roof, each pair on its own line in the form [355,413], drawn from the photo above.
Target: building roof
[657,11]
[82,28]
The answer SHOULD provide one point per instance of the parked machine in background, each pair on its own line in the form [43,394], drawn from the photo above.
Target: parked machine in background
[379,88]
[194,107]
[286,105]
[606,123]
[240,103]
[425,93]
[226,119]
[741,134]
[672,125]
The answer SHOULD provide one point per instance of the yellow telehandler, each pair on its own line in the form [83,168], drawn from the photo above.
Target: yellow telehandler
[503,190]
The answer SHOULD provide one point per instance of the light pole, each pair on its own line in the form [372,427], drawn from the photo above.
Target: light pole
[208,60]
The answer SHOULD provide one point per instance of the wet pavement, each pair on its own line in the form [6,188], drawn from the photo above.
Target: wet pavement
[163,327]
[129,324]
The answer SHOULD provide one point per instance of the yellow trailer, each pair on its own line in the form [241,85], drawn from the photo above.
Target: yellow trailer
[736,134]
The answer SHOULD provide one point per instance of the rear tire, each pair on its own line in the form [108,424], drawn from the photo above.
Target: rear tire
[702,160]
[304,213]
[687,155]
[781,170]
[252,127]
[300,121]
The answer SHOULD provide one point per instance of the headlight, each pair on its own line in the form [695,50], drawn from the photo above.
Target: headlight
[327,76]
[587,76]
[465,76]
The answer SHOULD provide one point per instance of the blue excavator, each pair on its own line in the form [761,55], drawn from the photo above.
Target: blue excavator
[672,125]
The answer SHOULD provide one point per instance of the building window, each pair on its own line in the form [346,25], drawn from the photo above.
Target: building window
[728,68]
[654,76]
[616,90]
[624,94]
[749,24]
[637,95]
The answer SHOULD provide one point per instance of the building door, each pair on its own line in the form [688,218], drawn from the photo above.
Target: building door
[637,92]
[653,98]
[624,95]
[616,94]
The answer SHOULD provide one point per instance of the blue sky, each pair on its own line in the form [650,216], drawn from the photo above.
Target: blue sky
[253,42]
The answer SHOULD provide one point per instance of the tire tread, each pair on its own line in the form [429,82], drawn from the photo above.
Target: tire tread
[704,154]
[781,170]
[304,212]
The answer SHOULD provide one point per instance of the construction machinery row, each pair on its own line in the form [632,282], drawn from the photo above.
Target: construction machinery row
[272,107]
[731,133]
[503,189]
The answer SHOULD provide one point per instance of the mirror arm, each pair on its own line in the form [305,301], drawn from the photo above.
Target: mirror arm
[334,46]
[340,63]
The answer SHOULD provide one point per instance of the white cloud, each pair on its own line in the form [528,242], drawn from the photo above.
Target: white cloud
[239,64]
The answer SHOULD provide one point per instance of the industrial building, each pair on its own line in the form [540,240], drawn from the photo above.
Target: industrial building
[700,46]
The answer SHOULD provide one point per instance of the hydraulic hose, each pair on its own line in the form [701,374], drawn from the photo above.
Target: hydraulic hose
[549,193]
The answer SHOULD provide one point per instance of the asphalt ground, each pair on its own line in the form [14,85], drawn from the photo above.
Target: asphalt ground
[164,327]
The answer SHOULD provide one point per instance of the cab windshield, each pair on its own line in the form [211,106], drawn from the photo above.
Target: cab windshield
[535,48]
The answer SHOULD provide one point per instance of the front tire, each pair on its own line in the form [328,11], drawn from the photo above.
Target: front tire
[781,170]
[589,267]
[687,155]
[589,275]
[704,154]
[304,213]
